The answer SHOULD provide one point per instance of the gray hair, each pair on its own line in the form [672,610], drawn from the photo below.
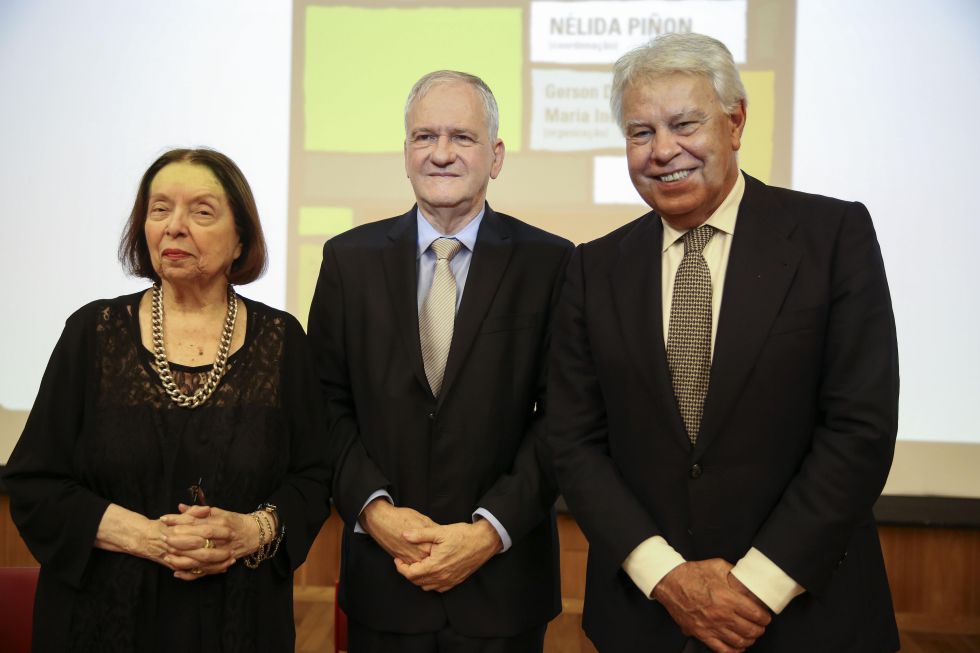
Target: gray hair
[690,54]
[425,84]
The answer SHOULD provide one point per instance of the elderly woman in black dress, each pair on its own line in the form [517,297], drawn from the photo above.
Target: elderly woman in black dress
[174,470]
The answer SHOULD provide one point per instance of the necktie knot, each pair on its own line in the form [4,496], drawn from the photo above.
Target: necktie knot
[696,239]
[446,248]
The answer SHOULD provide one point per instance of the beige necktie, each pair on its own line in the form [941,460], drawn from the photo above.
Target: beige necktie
[689,331]
[438,313]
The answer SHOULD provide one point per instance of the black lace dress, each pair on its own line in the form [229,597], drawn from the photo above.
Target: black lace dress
[103,431]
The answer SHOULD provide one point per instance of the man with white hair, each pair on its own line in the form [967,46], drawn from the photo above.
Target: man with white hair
[723,390]
[430,331]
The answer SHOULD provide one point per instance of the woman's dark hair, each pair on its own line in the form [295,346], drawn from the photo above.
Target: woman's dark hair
[249,266]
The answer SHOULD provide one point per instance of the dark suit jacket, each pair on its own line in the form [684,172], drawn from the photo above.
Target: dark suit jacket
[473,447]
[798,430]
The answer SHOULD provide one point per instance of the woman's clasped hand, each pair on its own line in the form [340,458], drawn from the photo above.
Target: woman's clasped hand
[202,540]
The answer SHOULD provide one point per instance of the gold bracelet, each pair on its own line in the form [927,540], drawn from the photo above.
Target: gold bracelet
[265,533]
[273,516]
[268,547]
[269,522]
[252,560]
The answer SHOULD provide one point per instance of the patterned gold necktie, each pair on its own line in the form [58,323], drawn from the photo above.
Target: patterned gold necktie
[689,331]
[438,313]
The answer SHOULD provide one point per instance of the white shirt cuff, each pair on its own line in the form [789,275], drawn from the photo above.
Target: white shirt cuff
[374,495]
[649,562]
[497,526]
[766,580]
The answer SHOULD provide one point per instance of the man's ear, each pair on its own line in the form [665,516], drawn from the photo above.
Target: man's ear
[737,121]
[498,158]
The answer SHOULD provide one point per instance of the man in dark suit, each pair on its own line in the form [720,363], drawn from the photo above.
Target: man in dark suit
[723,390]
[430,332]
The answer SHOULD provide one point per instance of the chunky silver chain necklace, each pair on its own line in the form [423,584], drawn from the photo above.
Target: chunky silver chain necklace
[160,354]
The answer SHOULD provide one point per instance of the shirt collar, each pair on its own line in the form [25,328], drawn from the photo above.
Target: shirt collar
[723,219]
[466,235]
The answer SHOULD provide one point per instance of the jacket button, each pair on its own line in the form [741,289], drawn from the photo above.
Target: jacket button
[695,471]
[432,416]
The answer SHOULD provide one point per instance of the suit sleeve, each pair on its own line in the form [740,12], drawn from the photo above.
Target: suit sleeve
[522,498]
[356,476]
[609,513]
[58,517]
[303,497]
[854,439]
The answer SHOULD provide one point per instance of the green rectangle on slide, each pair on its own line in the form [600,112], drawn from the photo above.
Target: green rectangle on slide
[361,63]
[325,220]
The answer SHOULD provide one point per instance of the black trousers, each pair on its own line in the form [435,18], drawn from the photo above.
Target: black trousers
[362,639]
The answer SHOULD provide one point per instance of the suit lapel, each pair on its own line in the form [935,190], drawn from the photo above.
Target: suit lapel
[637,291]
[761,266]
[401,278]
[491,254]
